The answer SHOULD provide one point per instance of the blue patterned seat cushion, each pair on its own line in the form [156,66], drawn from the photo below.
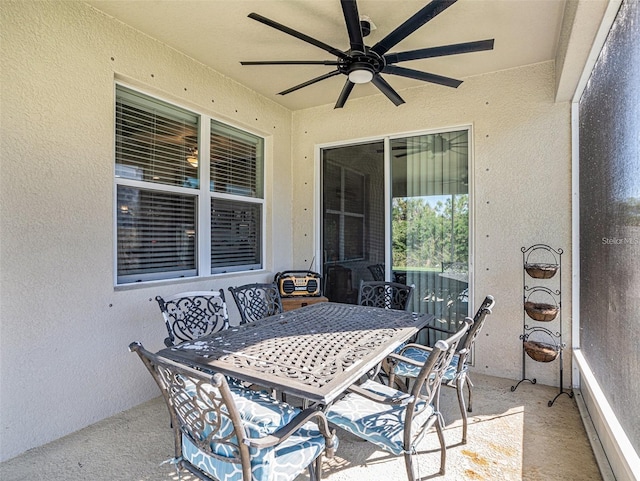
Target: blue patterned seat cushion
[281,463]
[262,415]
[380,424]
[404,369]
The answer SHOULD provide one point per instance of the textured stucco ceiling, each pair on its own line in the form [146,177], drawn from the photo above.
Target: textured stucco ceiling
[219,34]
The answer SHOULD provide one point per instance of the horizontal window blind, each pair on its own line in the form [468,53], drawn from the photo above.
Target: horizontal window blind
[155,142]
[235,235]
[162,207]
[236,161]
[156,233]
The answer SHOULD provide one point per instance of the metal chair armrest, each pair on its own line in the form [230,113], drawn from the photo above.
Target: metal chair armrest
[421,347]
[394,359]
[402,399]
[439,329]
[296,423]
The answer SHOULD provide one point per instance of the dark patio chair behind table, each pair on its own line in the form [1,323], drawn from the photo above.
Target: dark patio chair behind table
[457,374]
[191,315]
[377,271]
[395,420]
[388,295]
[256,301]
[225,432]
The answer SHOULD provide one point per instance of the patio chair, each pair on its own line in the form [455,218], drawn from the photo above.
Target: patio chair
[223,431]
[394,420]
[256,301]
[377,271]
[457,374]
[191,315]
[338,284]
[388,295]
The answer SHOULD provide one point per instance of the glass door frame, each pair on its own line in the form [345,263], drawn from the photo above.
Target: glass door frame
[386,139]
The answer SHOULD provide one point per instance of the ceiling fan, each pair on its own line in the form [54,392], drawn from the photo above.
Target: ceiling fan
[362,64]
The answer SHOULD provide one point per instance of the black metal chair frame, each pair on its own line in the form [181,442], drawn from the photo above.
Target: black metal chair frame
[256,301]
[464,353]
[426,389]
[388,295]
[191,315]
[199,418]
[377,271]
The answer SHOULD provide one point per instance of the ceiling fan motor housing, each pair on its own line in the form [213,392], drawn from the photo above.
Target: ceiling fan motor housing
[369,61]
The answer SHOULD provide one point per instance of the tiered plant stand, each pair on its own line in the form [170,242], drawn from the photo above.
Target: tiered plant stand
[542,310]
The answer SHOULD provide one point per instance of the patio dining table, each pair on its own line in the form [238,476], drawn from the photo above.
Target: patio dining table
[315,352]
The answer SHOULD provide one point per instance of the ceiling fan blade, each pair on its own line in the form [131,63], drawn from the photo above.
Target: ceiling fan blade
[352,19]
[344,95]
[424,76]
[291,62]
[298,35]
[386,89]
[441,51]
[412,24]
[310,82]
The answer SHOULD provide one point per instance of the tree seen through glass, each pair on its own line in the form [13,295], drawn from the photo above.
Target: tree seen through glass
[430,232]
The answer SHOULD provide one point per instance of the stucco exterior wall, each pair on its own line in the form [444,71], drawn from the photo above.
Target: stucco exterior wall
[64,327]
[521,186]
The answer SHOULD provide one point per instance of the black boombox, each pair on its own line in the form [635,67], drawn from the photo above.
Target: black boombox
[298,283]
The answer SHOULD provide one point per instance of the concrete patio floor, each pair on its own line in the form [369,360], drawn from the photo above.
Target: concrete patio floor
[512,436]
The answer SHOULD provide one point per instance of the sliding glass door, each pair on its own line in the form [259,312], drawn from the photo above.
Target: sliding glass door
[353,217]
[430,221]
[419,236]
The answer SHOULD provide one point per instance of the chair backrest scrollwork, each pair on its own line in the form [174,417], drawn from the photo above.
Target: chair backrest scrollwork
[191,315]
[225,431]
[256,301]
[201,408]
[377,271]
[388,295]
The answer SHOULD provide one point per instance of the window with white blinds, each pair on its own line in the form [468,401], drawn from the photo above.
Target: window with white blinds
[156,234]
[236,161]
[235,235]
[162,208]
[154,139]
[236,225]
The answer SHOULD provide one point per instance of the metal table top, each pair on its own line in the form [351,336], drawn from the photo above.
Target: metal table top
[315,352]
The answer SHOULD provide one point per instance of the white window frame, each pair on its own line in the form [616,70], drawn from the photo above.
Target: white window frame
[204,197]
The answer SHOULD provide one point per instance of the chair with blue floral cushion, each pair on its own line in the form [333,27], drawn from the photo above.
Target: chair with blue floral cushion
[394,420]
[388,295]
[224,432]
[256,301]
[191,315]
[457,374]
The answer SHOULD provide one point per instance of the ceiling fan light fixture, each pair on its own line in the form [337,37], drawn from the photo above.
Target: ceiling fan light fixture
[361,76]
